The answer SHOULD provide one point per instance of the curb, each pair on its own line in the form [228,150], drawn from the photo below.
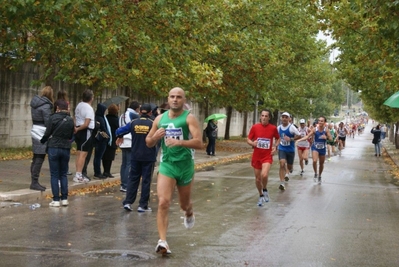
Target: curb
[28,195]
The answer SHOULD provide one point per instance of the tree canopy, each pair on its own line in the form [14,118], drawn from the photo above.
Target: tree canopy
[228,53]
[366,34]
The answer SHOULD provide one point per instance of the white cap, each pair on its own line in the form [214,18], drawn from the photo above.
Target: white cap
[286,114]
[302,121]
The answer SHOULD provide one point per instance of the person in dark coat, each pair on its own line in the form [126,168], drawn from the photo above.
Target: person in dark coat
[212,134]
[142,159]
[58,134]
[109,154]
[102,138]
[376,131]
[41,109]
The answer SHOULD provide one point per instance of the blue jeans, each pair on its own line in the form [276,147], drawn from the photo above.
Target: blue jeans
[98,155]
[143,170]
[125,167]
[377,148]
[58,159]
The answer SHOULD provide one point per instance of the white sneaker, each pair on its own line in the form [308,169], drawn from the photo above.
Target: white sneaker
[162,247]
[260,201]
[287,177]
[140,209]
[80,179]
[189,221]
[64,202]
[266,196]
[77,179]
[54,204]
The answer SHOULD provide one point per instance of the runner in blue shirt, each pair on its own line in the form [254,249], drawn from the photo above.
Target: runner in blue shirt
[320,135]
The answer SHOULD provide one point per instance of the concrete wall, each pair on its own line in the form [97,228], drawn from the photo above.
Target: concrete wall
[16,93]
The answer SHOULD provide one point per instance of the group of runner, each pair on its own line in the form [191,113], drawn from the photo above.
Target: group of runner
[321,138]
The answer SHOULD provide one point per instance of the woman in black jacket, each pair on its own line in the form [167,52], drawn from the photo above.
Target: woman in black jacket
[59,132]
[109,154]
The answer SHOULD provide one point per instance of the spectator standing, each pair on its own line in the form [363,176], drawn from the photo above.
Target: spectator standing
[212,134]
[58,134]
[131,113]
[142,159]
[62,95]
[102,138]
[41,109]
[110,151]
[376,131]
[84,126]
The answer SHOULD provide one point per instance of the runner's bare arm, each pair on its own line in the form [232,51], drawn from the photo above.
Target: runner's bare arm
[329,137]
[155,134]
[196,133]
[251,142]
[307,136]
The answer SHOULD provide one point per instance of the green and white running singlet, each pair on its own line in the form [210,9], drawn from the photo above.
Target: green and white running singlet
[173,159]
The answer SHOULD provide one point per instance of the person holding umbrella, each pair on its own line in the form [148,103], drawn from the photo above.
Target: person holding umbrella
[212,133]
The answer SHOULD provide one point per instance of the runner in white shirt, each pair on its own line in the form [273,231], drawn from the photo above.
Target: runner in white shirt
[303,146]
[342,132]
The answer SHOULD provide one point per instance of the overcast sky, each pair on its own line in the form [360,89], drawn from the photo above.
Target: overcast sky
[329,41]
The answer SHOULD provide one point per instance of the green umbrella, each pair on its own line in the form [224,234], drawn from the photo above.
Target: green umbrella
[393,101]
[115,100]
[216,116]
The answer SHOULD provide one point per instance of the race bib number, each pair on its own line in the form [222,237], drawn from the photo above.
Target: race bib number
[285,143]
[319,145]
[175,133]
[263,143]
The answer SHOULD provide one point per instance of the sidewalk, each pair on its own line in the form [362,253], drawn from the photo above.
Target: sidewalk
[15,174]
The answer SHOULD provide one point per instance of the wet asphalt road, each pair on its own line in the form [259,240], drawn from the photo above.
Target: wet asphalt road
[351,219]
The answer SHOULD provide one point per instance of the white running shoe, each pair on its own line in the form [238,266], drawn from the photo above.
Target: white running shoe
[287,177]
[64,202]
[260,201]
[162,247]
[54,204]
[189,221]
[281,187]
[266,196]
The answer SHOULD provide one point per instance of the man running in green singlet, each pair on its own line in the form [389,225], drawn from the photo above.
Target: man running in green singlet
[180,134]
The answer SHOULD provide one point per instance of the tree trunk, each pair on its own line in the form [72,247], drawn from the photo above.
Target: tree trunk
[228,120]
[391,133]
[244,126]
[397,135]
[274,120]
[206,115]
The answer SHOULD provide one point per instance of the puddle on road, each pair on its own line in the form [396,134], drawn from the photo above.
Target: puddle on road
[119,255]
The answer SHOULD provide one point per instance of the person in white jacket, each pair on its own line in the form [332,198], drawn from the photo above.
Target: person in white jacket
[132,112]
